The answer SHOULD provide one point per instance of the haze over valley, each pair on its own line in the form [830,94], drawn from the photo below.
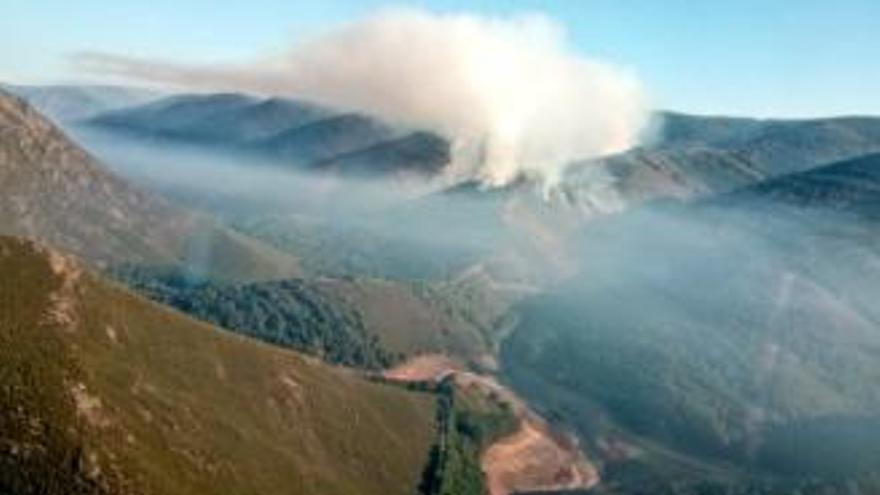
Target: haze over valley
[434,251]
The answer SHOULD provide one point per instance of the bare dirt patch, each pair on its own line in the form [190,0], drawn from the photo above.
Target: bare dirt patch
[88,406]
[111,334]
[534,458]
[62,302]
[425,368]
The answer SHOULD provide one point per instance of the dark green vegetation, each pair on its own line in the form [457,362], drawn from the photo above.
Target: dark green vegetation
[365,323]
[291,313]
[468,422]
[104,392]
[734,341]
[52,190]
[417,296]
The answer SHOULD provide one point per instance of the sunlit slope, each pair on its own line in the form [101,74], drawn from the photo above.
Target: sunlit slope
[53,190]
[105,392]
[364,323]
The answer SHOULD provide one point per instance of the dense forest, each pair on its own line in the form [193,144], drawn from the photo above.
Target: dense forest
[289,313]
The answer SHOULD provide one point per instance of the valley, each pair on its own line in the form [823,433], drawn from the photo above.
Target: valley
[208,292]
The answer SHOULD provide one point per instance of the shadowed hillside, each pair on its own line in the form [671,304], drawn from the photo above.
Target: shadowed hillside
[695,156]
[852,185]
[733,341]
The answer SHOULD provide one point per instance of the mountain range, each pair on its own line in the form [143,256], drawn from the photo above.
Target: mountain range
[695,156]
[695,316]
[279,131]
[687,156]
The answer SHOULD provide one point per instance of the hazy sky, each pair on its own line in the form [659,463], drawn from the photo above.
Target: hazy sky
[749,57]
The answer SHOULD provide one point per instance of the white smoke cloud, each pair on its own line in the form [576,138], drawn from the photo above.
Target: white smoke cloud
[509,94]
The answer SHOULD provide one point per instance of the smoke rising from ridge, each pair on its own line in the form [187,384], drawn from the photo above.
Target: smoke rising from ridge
[507,92]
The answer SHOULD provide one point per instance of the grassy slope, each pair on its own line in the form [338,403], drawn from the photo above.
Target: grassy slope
[391,283]
[406,321]
[114,394]
[289,313]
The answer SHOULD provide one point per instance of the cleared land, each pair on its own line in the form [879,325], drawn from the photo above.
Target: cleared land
[533,458]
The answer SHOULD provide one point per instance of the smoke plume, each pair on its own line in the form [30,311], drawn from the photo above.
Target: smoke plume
[508,93]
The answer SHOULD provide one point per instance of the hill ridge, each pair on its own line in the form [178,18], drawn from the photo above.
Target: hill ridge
[122,396]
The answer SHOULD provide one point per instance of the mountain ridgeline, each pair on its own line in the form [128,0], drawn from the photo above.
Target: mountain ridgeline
[71,103]
[53,190]
[282,132]
[104,392]
[699,311]
[693,156]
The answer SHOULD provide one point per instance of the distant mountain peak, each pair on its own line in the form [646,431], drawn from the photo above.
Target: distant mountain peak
[69,103]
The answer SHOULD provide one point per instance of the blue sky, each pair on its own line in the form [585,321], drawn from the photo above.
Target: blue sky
[746,57]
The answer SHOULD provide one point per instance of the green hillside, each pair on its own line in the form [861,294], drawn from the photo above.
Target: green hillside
[365,323]
[105,392]
[289,313]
